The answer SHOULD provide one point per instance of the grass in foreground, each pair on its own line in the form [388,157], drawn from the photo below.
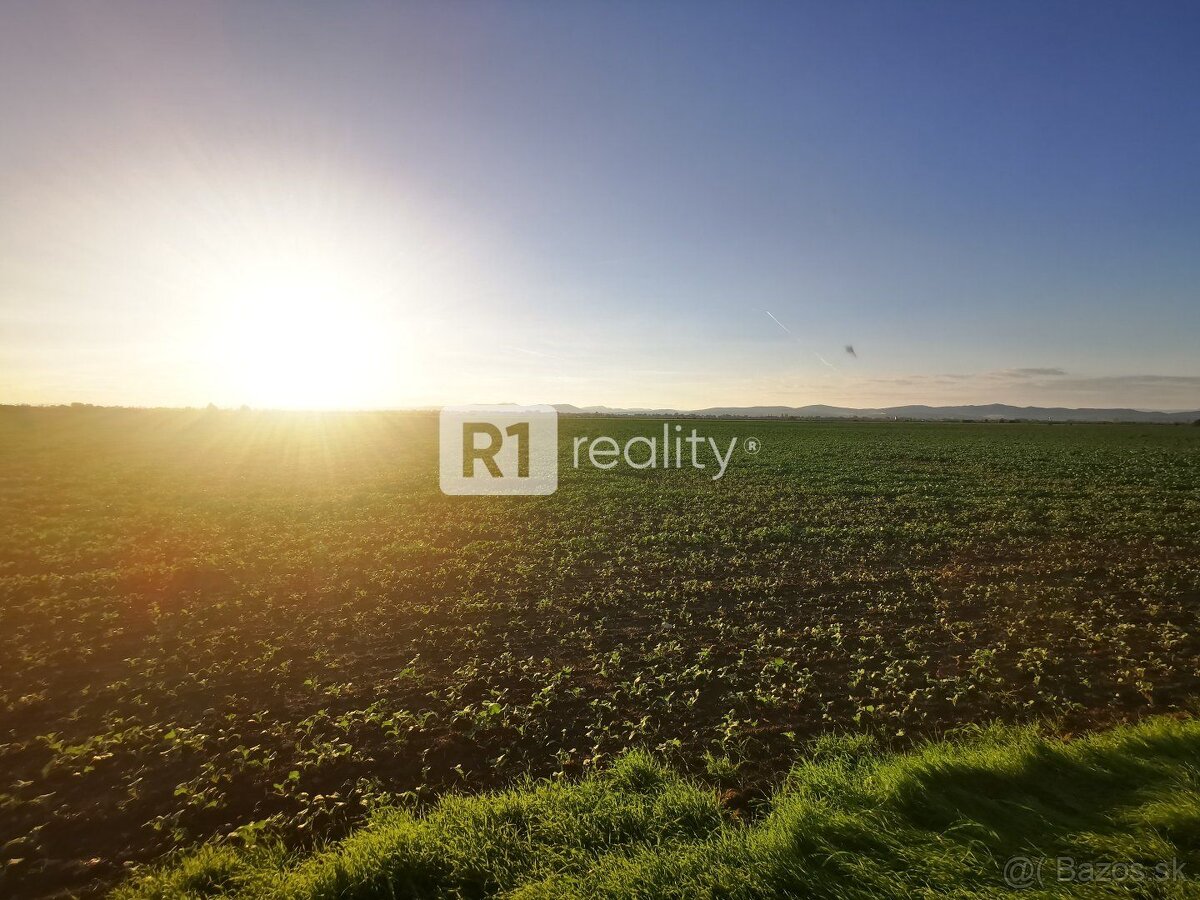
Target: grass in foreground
[848,822]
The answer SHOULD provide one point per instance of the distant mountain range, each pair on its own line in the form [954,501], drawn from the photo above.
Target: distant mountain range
[990,411]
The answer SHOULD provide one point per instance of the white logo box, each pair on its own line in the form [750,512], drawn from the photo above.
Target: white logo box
[498,449]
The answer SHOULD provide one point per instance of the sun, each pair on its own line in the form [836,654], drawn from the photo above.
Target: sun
[302,332]
[301,292]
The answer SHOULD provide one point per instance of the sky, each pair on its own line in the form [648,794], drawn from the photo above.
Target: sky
[630,204]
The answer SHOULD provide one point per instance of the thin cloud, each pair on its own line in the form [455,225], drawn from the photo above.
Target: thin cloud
[1023,374]
[1036,372]
[528,352]
[1138,391]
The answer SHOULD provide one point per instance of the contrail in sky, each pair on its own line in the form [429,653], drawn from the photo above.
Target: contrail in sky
[789,331]
[777,322]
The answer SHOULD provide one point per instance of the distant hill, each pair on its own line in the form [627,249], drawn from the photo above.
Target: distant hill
[990,411]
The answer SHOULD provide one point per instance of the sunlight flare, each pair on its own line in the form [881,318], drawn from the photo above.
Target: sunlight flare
[306,330]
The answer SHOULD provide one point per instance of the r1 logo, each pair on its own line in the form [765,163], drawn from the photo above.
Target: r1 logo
[498,449]
[473,453]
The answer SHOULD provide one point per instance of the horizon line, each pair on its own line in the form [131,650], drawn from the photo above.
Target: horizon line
[729,409]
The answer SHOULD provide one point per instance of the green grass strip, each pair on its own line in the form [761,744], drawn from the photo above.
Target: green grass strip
[849,822]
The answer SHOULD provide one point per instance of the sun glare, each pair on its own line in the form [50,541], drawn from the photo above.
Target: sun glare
[300,333]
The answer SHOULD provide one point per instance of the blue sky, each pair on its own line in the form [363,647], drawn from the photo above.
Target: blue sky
[600,203]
